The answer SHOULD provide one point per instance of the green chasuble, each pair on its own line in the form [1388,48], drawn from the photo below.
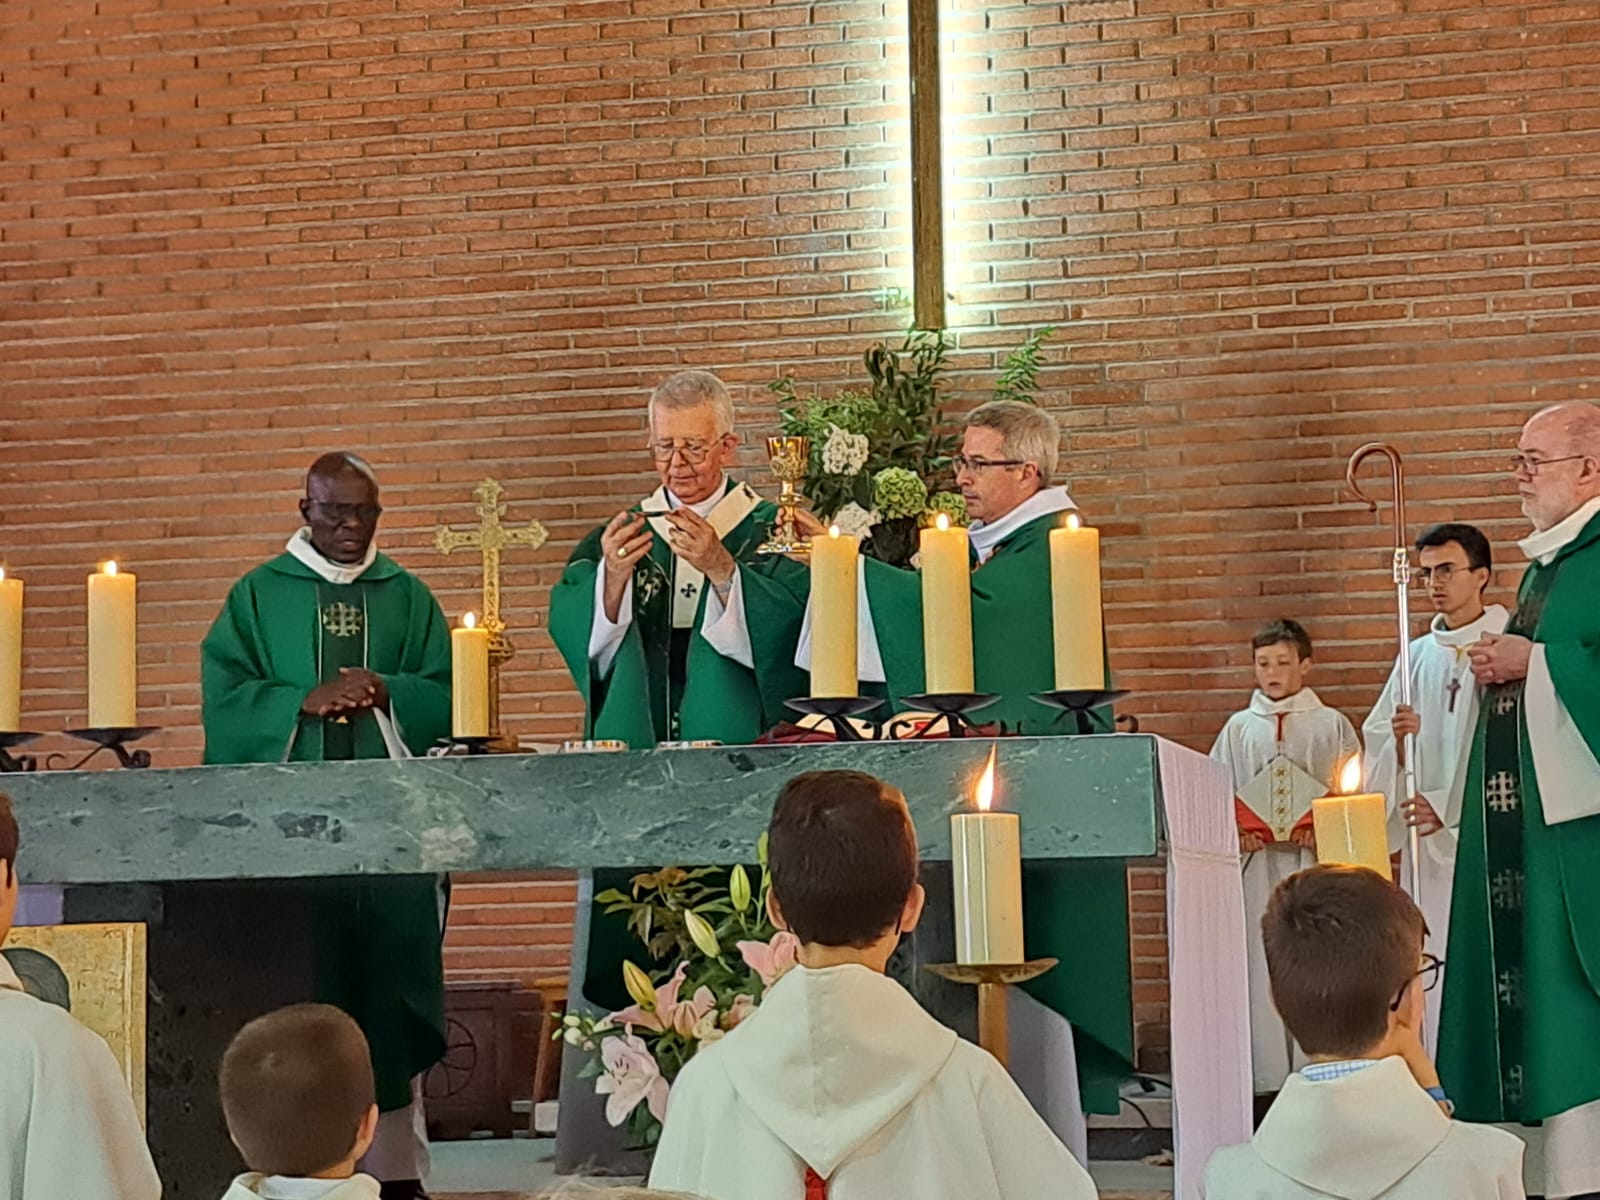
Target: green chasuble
[1075,911]
[716,698]
[1520,1035]
[283,631]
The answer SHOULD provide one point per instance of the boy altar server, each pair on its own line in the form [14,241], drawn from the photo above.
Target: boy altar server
[1367,1119]
[1284,751]
[1456,565]
[301,1105]
[68,1128]
[840,1087]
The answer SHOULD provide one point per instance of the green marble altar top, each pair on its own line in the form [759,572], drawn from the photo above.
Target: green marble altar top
[1080,797]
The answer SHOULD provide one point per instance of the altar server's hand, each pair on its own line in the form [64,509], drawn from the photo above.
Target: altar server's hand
[1406,721]
[695,541]
[1305,838]
[373,691]
[1500,658]
[1249,843]
[1419,814]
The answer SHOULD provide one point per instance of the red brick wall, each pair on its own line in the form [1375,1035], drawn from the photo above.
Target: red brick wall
[465,239]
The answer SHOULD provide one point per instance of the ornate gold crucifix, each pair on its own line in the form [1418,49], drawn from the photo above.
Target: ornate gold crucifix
[491,537]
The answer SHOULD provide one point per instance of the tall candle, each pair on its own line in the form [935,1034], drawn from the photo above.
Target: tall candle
[1080,640]
[1353,828]
[833,614]
[469,679]
[986,852]
[113,649]
[947,608]
[10,654]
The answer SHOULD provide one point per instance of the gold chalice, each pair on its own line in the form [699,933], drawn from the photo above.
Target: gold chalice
[791,459]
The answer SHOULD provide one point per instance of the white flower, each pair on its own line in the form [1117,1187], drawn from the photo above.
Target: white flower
[855,520]
[844,453]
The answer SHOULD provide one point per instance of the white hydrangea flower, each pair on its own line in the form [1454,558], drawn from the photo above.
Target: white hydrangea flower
[854,520]
[844,453]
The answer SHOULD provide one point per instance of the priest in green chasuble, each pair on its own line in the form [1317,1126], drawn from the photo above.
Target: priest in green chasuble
[1077,911]
[671,624]
[1519,1036]
[332,651]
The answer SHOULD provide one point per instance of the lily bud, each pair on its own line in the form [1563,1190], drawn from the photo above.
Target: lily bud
[639,987]
[739,889]
[702,935]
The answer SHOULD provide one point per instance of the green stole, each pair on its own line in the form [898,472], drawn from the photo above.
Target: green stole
[1520,1036]
[720,699]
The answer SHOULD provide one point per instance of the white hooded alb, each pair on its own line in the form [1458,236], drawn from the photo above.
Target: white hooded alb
[840,1070]
[277,1187]
[68,1129]
[1373,1135]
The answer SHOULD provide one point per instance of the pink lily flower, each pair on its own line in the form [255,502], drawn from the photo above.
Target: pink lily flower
[631,1075]
[771,960]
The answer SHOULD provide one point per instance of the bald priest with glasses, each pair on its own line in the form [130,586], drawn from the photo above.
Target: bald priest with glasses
[672,626]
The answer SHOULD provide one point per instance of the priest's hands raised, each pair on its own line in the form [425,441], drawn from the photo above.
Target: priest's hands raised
[624,541]
[1500,658]
[694,540]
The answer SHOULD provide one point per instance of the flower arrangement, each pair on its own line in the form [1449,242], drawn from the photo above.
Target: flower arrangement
[691,918]
[881,456]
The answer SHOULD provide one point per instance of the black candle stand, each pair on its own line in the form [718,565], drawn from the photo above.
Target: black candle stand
[952,709]
[1080,702]
[18,762]
[837,711]
[117,741]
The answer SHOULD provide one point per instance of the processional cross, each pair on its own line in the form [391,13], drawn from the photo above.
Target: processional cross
[491,537]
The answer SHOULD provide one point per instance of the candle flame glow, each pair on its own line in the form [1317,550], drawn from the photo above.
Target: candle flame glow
[833,531]
[2,574]
[1074,521]
[1350,775]
[111,567]
[942,522]
[469,621]
[984,793]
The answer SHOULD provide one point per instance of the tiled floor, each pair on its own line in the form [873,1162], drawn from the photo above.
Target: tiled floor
[511,1170]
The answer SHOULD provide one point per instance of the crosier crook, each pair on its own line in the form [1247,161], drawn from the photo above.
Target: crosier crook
[1405,750]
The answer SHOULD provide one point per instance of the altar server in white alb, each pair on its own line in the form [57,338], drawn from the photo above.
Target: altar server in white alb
[1456,565]
[839,1086]
[1284,752]
[68,1129]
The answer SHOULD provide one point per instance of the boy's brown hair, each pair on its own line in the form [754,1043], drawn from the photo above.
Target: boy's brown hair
[843,856]
[10,836]
[296,1086]
[1342,943]
[1283,630]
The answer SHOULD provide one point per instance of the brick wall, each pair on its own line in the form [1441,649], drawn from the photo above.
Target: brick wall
[465,239]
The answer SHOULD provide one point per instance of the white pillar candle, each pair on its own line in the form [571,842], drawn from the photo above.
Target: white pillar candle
[113,649]
[986,852]
[833,614]
[10,654]
[1353,829]
[1080,642]
[469,679]
[947,609]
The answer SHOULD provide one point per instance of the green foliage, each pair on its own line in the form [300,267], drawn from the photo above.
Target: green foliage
[1019,376]
[897,492]
[952,504]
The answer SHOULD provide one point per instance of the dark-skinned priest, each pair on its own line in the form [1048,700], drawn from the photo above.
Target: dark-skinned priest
[1075,911]
[673,627]
[1519,1037]
[332,651]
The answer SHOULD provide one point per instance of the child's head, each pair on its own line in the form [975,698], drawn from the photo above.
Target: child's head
[298,1093]
[10,838]
[1282,651]
[1344,952]
[843,857]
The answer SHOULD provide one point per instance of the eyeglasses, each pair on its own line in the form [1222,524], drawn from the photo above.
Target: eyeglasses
[962,463]
[1521,464]
[338,514]
[693,453]
[1442,574]
[1429,973]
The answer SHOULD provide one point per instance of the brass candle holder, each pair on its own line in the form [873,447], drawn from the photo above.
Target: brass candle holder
[791,459]
[991,980]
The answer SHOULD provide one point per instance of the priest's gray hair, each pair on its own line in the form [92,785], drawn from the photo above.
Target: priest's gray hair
[695,389]
[1027,432]
[1578,422]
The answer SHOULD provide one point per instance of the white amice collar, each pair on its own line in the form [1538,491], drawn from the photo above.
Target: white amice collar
[1302,701]
[1545,544]
[987,535]
[663,497]
[339,573]
[1493,620]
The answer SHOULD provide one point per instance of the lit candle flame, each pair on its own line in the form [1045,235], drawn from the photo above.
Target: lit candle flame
[2,574]
[984,793]
[469,621]
[833,531]
[1074,521]
[1350,775]
[111,567]
[942,522]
